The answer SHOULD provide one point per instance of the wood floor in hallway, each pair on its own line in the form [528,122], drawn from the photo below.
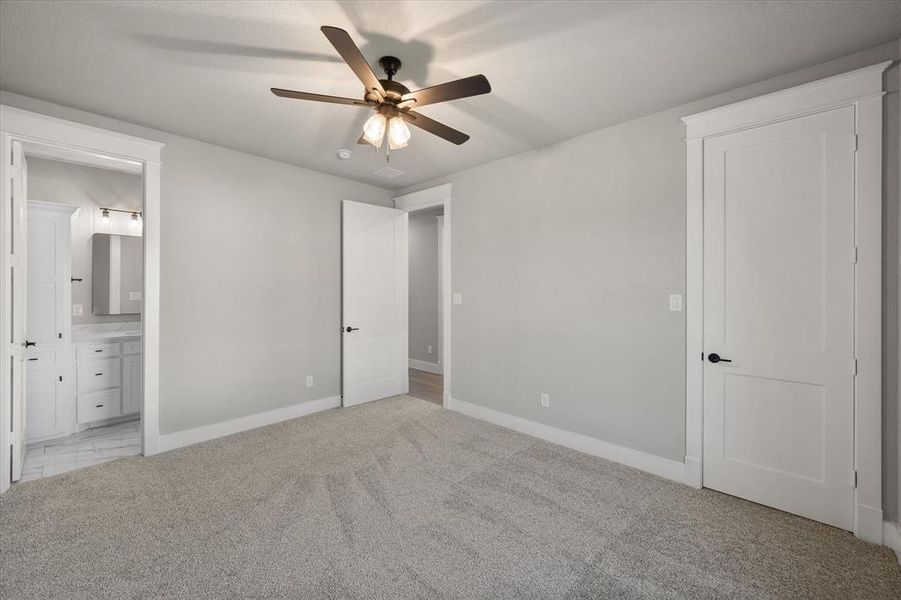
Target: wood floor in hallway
[426,386]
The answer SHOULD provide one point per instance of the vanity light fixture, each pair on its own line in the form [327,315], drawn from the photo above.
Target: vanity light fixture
[136,216]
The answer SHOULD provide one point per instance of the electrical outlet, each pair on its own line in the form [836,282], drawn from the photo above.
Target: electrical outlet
[675,302]
[309,381]
[429,350]
[545,400]
[78,310]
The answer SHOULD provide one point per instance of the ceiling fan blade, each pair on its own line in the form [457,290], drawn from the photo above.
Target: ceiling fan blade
[317,97]
[452,90]
[353,57]
[434,127]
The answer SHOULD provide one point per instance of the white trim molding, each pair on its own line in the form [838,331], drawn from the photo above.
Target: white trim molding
[440,195]
[824,94]
[188,437]
[891,537]
[649,463]
[428,367]
[35,128]
[862,89]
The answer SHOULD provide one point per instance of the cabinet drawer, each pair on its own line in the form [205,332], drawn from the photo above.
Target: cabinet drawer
[95,406]
[132,347]
[41,359]
[89,351]
[98,374]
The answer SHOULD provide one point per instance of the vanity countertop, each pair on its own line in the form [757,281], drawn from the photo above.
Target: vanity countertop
[92,332]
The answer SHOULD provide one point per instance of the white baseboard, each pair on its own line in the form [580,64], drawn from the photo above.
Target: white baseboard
[171,441]
[868,523]
[656,465]
[428,367]
[891,537]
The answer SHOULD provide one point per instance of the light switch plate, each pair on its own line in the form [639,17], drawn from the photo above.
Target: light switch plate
[78,310]
[134,295]
[309,381]
[457,298]
[675,302]
[545,399]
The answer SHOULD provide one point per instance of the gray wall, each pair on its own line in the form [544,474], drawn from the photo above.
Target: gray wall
[89,188]
[566,256]
[425,285]
[249,277]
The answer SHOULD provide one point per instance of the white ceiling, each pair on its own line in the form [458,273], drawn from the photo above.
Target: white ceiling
[558,69]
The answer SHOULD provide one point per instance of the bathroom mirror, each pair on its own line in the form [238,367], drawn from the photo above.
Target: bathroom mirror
[118,274]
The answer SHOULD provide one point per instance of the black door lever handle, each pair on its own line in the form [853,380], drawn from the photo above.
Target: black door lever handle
[715,358]
[348,329]
[27,343]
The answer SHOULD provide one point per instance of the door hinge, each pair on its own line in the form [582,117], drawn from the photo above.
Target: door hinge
[854,478]
[854,367]
[854,254]
[855,142]
[60,377]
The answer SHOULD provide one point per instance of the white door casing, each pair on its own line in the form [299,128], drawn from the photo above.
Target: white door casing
[861,91]
[16,125]
[374,290]
[440,195]
[779,303]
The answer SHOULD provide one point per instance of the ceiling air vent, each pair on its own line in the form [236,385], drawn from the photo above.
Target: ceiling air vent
[388,172]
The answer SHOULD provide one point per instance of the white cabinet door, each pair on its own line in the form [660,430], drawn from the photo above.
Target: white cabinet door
[132,380]
[779,304]
[50,407]
[375,326]
[48,415]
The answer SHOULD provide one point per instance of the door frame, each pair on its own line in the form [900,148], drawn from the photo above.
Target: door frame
[434,197]
[863,90]
[27,126]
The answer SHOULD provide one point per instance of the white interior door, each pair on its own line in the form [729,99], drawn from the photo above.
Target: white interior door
[13,257]
[778,303]
[375,320]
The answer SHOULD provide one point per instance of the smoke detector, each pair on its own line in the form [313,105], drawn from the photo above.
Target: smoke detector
[344,153]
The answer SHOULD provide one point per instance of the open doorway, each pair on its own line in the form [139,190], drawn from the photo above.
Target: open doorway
[84,298]
[425,306]
[19,128]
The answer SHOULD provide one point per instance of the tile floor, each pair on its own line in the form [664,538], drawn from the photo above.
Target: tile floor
[90,447]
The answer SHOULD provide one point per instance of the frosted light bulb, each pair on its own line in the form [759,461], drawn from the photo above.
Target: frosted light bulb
[398,133]
[374,129]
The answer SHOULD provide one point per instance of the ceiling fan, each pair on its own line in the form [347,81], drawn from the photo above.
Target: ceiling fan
[391,101]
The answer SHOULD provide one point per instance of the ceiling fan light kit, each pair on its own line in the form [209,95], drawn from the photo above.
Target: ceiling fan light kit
[392,101]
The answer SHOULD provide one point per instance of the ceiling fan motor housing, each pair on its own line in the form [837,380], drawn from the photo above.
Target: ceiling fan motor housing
[390,65]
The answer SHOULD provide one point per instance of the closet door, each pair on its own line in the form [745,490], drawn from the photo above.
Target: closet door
[779,315]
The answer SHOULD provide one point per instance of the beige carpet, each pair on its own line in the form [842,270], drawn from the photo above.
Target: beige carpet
[400,499]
